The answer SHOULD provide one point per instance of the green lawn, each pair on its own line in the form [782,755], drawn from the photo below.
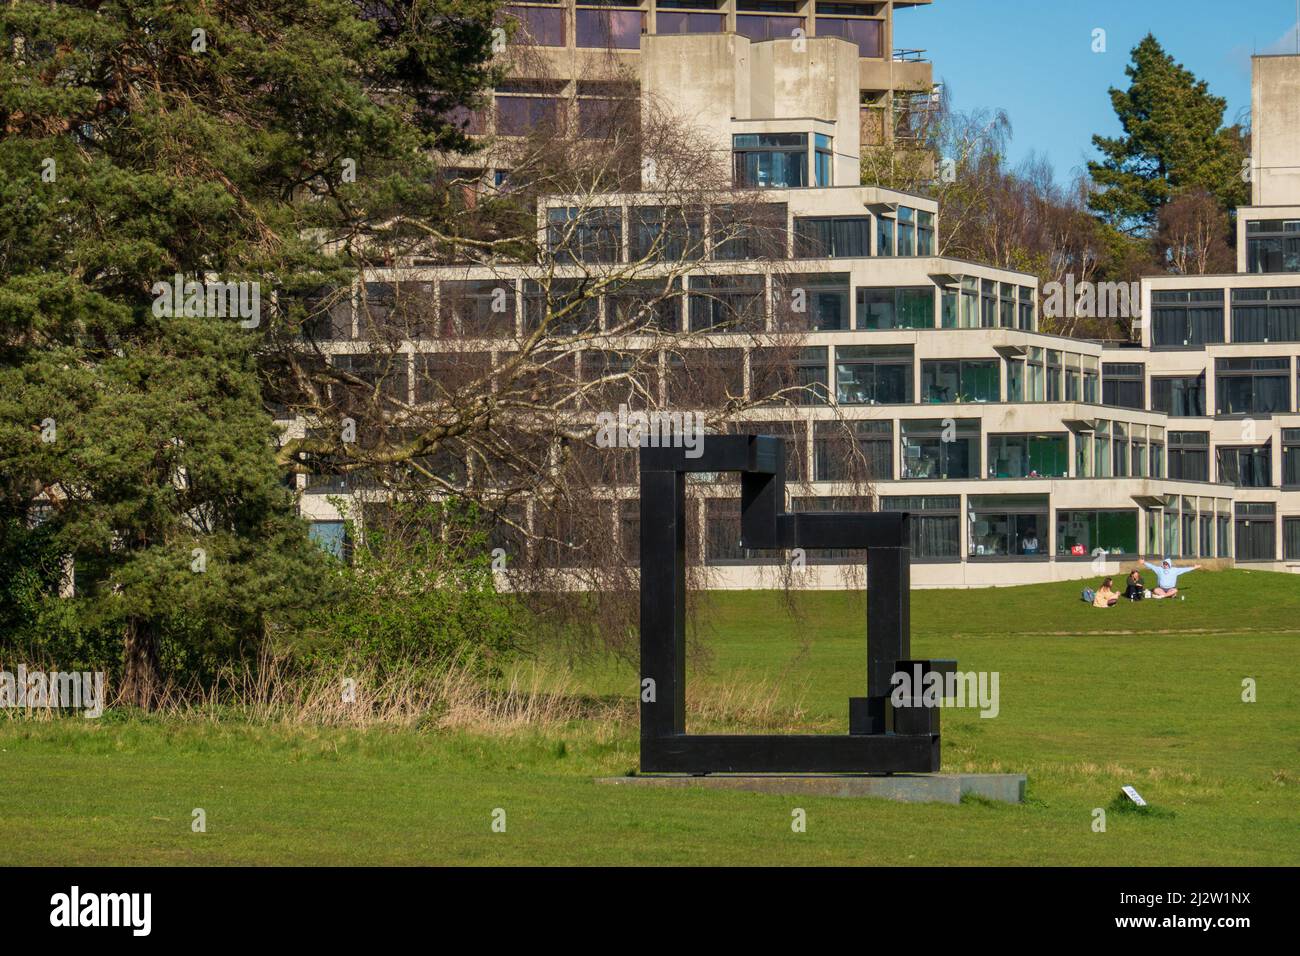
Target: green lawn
[1146,694]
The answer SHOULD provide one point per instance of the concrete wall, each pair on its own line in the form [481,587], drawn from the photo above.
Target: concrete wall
[721,84]
[1275,130]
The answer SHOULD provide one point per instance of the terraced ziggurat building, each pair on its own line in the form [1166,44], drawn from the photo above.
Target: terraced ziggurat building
[1021,456]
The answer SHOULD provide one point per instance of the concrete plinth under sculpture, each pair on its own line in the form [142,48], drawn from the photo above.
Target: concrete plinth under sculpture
[903,787]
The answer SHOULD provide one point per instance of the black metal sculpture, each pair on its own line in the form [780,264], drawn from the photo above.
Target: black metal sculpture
[883,736]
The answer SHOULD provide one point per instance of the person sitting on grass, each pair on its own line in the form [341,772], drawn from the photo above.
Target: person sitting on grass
[1135,591]
[1106,596]
[1167,577]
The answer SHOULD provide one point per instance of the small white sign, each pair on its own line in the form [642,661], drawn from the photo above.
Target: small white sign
[1134,796]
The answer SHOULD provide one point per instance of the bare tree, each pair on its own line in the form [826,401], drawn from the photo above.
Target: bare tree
[1192,235]
[486,362]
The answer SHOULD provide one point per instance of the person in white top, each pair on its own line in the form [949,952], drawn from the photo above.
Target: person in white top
[1167,577]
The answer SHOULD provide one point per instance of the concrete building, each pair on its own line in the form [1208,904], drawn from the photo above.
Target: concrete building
[567,55]
[1021,456]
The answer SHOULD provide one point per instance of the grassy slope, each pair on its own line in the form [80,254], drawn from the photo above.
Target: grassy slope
[1146,694]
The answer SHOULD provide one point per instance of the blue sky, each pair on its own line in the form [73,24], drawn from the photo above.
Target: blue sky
[1034,58]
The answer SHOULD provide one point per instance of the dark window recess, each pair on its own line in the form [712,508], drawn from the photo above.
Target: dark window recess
[1291,539]
[1266,315]
[666,233]
[645,304]
[816,302]
[1252,386]
[757,231]
[569,306]
[1180,396]
[1123,384]
[731,303]
[1273,245]
[585,235]
[1256,525]
[859,451]
[1291,457]
[789,376]
[1189,456]
[1246,467]
[936,525]
[832,238]
[1186,317]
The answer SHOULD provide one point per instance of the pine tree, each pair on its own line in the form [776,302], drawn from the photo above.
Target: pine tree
[1173,141]
[241,141]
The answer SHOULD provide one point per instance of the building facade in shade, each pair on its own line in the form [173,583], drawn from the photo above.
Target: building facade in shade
[567,58]
[1021,456]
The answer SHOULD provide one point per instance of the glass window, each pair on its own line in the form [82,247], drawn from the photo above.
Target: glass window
[1054,380]
[1258,386]
[741,233]
[666,233]
[1179,396]
[1029,456]
[1007,526]
[1007,306]
[332,537]
[884,236]
[1246,467]
[817,302]
[1189,456]
[646,303]
[1123,384]
[835,238]
[794,376]
[960,380]
[520,115]
[970,304]
[1256,523]
[1015,380]
[1186,317]
[865,33]
[678,21]
[477,307]
[873,375]
[1091,380]
[1273,245]
[824,161]
[1073,378]
[731,303]
[1026,309]
[940,448]
[948,307]
[988,304]
[538,26]
[924,233]
[585,235]
[1080,534]
[853,450]
[906,231]
[1037,378]
[768,27]
[1291,539]
[609,29]
[569,305]
[1291,457]
[765,160]
[935,522]
[907,308]
[1266,315]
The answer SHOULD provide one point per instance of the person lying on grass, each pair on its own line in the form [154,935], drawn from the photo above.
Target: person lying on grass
[1106,596]
[1166,577]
